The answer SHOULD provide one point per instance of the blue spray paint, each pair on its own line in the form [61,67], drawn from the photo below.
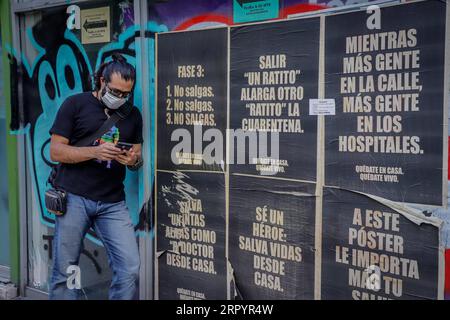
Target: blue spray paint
[53,73]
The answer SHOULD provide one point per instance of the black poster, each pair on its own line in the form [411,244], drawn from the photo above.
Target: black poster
[386,138]
[273,74]
[371,252]
[192,100]
[271,238]
[191,236]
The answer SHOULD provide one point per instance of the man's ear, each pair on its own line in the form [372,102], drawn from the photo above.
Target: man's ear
[102,82]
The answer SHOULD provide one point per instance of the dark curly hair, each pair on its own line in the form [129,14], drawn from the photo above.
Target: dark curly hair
[118,65]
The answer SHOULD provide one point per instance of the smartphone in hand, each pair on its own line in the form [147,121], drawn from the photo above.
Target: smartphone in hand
[124,146]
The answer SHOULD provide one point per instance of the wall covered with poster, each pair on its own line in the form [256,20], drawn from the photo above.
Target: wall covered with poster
[333,165]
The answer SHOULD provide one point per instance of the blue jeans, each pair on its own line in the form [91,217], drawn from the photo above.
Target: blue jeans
[113,226]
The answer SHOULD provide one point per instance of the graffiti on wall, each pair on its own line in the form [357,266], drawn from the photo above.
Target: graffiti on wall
[61,67]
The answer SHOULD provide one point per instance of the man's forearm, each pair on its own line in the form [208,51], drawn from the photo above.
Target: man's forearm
[69,154]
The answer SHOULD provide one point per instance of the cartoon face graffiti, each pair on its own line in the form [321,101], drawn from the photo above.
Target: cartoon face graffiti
[61,69]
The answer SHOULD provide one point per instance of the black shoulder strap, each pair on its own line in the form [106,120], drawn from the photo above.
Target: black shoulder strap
[121,113]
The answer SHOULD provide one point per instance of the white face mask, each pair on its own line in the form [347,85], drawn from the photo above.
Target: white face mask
[112,102]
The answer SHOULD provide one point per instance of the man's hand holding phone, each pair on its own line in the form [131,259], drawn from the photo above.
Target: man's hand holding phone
[106,151]
[128,157]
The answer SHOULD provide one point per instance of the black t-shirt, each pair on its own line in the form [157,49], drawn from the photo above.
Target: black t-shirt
[80,116]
